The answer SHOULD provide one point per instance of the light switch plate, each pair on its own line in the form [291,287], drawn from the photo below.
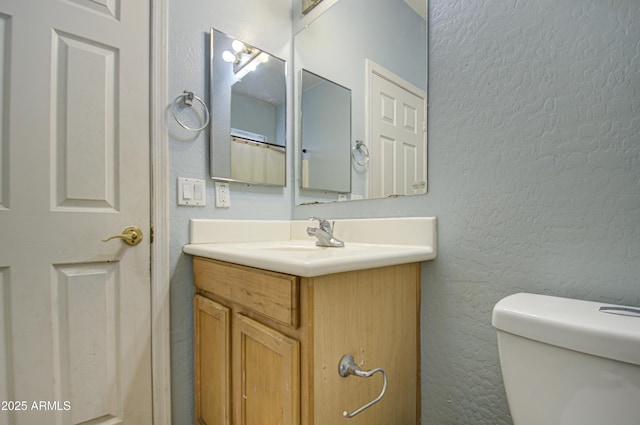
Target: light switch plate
[191,192]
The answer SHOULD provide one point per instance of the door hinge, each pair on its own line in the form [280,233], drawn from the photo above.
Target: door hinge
[151,235]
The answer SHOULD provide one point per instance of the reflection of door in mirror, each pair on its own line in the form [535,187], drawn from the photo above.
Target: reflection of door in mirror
[248,104]
[326,135]
[397,133]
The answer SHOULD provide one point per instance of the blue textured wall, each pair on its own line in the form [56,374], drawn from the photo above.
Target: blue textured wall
[534,175]
[535,171]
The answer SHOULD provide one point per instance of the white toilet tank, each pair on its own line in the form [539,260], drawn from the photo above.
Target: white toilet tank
[569,362]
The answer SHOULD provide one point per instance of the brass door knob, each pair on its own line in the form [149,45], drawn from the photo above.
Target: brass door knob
[131,236]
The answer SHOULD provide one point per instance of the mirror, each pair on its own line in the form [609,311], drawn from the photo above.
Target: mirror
[248,110]
[380,54]
[326,161]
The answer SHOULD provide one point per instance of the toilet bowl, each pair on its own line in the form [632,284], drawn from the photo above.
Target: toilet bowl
[569,362]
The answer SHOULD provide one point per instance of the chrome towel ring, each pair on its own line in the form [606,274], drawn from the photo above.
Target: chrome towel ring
[360,153]
[187,97]
[348,366]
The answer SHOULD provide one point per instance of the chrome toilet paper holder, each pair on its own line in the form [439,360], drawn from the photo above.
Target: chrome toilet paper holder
[348,366]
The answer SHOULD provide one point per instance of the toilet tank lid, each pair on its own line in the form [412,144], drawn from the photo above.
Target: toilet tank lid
[573,324]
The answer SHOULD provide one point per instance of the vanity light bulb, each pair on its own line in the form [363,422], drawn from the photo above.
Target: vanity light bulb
[237,45]
[227,56]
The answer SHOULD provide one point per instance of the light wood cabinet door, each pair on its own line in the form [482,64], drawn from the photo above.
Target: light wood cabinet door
[374,316]
[212,362]
[266,375]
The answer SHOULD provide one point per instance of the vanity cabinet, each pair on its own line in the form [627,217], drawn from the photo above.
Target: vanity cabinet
[267,345]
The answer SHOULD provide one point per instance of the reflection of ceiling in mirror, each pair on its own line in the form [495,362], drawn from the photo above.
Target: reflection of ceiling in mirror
[420,6]
[309,80]
[256,83]
[266,83]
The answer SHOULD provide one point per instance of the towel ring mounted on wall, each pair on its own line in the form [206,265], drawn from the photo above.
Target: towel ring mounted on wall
[187,97]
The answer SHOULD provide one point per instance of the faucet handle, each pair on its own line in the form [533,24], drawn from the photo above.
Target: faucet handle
[323,223]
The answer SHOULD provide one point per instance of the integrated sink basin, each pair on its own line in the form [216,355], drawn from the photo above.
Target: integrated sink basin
[284,246]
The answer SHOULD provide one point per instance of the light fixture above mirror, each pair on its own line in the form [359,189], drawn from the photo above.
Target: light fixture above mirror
[307,5]
[245,59]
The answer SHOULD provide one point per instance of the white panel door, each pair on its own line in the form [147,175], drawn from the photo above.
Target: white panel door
[75,323]
[398,146]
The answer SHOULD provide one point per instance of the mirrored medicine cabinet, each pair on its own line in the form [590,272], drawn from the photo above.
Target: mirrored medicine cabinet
[248,109]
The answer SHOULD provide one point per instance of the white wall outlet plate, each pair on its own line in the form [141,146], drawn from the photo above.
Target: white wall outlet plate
[223,195]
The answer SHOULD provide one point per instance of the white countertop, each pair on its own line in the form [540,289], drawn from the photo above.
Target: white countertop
[284,246]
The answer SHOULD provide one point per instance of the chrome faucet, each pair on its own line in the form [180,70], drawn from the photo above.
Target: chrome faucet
[324,234]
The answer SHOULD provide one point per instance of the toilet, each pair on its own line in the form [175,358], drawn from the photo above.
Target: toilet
[569,362]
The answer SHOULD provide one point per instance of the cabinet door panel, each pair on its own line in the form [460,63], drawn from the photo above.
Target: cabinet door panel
[381,330]
[266,375]
[212,362]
